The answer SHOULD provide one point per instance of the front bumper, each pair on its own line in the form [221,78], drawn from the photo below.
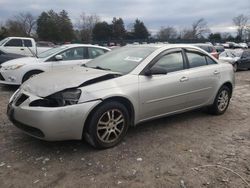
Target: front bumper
[10,78]
[50,123]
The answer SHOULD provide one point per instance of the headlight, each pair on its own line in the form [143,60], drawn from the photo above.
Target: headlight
[62,98]
[12,67]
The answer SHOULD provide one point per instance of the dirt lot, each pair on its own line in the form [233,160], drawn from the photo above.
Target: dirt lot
[162,153]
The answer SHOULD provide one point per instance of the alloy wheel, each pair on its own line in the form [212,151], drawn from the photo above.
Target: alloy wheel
[110,126]
[223,100]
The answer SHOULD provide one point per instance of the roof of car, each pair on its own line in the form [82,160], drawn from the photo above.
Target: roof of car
[84,45]
[165,45]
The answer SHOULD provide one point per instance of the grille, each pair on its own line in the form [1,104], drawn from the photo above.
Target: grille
[1,77]
[21,99]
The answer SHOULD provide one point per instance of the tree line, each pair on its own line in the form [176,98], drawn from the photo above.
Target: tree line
[58,28]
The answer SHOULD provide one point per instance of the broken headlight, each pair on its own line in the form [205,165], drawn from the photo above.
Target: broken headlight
[62,98]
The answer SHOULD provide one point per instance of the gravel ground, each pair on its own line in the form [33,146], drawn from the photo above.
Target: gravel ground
[187,150]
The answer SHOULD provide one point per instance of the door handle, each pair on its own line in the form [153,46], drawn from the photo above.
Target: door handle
[216,72]
[184,79]
[21,49]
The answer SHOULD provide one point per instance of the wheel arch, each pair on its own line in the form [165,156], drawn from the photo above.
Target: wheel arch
[30,71]
[123,100]
[229,85]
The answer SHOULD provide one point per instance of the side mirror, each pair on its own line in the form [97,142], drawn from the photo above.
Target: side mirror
[155,71]
[58,57]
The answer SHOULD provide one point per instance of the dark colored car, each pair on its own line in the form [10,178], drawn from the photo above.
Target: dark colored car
[244,61]
[208,48]
[219,49]
[8,56]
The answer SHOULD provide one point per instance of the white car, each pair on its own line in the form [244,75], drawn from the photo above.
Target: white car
[122,88]
[17,71]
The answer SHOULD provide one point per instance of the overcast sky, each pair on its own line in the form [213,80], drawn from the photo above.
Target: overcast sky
[154,13]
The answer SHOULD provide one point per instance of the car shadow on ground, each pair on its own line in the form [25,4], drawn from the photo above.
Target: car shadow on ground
[12,88]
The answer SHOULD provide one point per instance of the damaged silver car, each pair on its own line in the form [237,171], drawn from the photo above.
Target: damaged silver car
[127,86]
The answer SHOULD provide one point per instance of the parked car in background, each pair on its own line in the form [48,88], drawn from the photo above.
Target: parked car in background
[127,86]
[45,44]
[243,45]
[219,48]
[17,71]
[231,57]
[208,48]
[240,59]
[8,56]
[21,45]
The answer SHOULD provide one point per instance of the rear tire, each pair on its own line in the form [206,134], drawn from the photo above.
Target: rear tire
[30,74]
[221,101]
[107,125]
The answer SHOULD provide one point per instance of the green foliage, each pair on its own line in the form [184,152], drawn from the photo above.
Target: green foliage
[140,30]
[55,27]
[215,36]
[102,31]
[118,29]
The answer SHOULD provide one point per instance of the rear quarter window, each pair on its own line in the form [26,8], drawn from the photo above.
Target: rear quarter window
[27,43]
[196,59]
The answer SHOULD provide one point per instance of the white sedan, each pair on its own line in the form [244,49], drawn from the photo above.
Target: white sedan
[17,71]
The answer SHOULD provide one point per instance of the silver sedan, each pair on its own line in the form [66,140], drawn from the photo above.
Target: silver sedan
[127,86]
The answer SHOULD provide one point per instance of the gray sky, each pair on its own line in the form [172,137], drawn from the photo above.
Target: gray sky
[154,13]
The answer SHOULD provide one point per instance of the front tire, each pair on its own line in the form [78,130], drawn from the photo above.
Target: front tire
[108,125]
[221,101]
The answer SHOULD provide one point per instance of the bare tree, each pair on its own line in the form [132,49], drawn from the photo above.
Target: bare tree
[198,30]
[167,33]
[85,26]
[22,24]
[240,22]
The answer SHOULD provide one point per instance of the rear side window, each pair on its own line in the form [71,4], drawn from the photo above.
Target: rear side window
[196,59]
[95,52]
[210,61]
[27,43]
[14,43]
[170,62]
[73,54]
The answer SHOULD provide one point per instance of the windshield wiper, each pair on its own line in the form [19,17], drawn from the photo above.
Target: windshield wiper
[100,68]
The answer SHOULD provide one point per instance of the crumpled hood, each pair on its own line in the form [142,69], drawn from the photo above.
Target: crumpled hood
[51,82]
[22,60]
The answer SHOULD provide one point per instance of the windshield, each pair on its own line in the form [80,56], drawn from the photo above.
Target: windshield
[3,41]
[121,60]
[51,51]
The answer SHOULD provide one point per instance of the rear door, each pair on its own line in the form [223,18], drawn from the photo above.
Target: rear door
[14,46]
[28,47]
[203,76]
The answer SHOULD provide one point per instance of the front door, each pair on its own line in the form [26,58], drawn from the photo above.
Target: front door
[70,58]
[164,94]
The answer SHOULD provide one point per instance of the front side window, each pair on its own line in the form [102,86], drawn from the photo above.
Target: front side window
[196,59]
[210,61]
[14,43]
[170,62]
[95,52]
[73,54]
